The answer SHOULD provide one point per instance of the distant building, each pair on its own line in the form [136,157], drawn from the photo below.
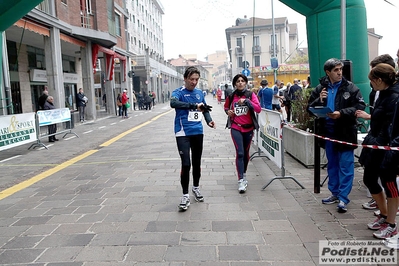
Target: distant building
[181,63]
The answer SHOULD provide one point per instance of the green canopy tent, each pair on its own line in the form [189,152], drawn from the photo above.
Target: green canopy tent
[10,12]
[323,26]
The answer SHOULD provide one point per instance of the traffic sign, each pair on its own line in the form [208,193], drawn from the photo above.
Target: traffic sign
[245,64]
[246,72]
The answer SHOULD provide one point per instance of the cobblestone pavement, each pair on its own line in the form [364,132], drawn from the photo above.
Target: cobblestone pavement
[110,197]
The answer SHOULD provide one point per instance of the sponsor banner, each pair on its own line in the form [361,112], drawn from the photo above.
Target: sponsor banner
[269,135]
[16,130]
[352,252]
[54,116]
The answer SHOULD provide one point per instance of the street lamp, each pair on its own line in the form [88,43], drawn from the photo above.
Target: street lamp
[245,61]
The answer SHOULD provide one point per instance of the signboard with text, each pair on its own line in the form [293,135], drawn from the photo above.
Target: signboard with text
[16,130]
[54,116]
[269,139]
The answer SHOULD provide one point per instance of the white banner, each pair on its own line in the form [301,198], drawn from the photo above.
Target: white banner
[16,130]
[54,116]
[269,135]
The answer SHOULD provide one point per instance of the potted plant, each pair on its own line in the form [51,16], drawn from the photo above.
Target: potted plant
[298,140]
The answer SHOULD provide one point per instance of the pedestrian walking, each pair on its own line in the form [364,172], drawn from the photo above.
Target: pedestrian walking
[190,107]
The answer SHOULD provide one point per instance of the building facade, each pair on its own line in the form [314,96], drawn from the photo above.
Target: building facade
[102,46]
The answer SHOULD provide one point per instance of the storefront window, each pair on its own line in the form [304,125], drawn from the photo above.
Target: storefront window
[70,90]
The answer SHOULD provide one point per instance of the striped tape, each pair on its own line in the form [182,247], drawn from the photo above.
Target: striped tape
[376,147]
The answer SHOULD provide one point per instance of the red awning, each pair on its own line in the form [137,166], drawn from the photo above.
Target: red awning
[109,61]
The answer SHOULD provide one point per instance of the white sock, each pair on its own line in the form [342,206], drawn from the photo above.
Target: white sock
[186,195]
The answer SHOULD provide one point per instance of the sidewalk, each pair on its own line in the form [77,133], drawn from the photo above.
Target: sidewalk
[115,203]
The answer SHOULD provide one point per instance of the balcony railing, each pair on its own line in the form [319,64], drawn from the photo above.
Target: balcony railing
[85,20]
[256,49]
[238,51]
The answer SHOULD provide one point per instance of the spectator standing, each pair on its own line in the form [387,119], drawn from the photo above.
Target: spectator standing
[52,129]
[81,101]
[294,94]
[344,98]
[287,101]
[153,96]
[119,104]
[227,91]
[265,95]
[163,97]
[125,100]
[42,99]
[219,95]
[148,101]
[241,107]
[190,107]
[373,96]
[276,97]
[382,78]
[134,101]
[305,84]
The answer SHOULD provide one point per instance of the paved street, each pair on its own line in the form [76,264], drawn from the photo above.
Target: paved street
[110,197]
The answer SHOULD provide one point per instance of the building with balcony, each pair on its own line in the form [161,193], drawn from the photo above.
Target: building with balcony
[250,41]
[102,46]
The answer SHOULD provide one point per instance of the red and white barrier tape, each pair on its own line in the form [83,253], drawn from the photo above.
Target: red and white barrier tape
[387,148]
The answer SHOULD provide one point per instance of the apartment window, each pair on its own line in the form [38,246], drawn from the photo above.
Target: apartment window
[68,64]
[257,60]
[256,41]
[85,5]
[64,2]
[118,24]
[239,62]
[36,58]
[239,42]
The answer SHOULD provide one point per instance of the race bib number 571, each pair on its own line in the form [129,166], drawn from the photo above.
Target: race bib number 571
[194,116]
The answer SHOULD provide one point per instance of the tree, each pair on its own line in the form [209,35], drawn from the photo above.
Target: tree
[298,59]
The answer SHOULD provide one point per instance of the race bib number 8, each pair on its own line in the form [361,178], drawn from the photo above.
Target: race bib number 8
[194,116]
[240,110]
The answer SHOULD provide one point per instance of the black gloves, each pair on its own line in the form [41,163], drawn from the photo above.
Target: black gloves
[206,107]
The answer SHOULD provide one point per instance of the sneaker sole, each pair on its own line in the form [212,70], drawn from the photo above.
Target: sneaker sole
[184,208]
[369,208]
[330,202]
[379,237]
[242,191]
[340,210]
[199,200]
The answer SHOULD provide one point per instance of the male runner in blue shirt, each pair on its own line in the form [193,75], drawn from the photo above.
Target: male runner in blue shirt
[190,107]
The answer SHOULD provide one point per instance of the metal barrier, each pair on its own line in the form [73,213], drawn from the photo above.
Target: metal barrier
[52,117]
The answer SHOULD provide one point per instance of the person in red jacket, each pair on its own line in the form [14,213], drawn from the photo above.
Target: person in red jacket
[125,100]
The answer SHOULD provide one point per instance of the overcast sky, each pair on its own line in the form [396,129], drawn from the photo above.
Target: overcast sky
[198,26]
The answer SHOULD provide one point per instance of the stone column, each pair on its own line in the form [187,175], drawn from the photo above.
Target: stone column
[55,78]
[88,81]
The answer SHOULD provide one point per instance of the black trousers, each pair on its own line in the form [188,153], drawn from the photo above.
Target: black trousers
[184,145]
